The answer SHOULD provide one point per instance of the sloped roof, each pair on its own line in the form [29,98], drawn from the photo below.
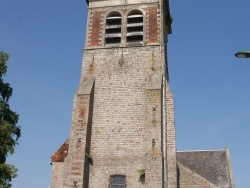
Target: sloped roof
[61,153]
[188,178]
[212,165]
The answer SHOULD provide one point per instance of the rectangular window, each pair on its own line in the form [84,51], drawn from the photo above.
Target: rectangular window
[117,181]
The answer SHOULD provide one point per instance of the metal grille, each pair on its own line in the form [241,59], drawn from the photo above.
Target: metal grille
[117,181]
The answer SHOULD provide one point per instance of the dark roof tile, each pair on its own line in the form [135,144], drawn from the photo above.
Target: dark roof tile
[211,165]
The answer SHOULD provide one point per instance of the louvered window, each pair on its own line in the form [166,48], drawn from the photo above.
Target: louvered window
[135,28]
[113,28]
[117,181]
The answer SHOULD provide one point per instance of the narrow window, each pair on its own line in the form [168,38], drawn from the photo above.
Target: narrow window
[113,28]
[117,181]
[135,28]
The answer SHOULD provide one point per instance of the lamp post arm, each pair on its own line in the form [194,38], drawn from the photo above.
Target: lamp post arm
[243,54]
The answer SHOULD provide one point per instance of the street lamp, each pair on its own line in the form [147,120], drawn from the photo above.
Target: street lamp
[243,54]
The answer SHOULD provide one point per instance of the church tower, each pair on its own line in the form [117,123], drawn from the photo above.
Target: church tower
[122,131]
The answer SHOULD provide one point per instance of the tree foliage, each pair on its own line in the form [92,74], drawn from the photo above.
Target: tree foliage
[9,130]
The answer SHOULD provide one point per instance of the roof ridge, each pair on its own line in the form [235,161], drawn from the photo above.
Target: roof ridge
[200,150]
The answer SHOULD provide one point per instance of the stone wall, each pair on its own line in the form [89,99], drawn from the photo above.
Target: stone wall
[58,171]
[121,136]
[108,3]
[170,139]
[117,118]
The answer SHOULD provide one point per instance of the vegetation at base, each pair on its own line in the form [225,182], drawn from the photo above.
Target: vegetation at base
[9,130]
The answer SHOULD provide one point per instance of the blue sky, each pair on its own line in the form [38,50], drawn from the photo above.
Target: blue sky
[211,87]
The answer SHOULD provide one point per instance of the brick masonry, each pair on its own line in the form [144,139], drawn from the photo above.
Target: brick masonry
[95,28]
[123,111]
[126,125]
[153,25]
[117,110]
[96,24]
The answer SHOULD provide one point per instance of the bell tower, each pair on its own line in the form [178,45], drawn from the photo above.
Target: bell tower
[122,131]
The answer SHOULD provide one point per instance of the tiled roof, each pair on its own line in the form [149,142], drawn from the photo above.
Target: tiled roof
[61,153]
[211,165]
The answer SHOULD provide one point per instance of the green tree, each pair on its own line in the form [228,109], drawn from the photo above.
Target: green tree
[9,130]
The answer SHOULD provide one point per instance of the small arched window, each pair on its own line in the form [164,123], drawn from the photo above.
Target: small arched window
[135,27]
[117,181]
[113,28]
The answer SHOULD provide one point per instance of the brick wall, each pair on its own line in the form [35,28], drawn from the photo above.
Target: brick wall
[121,137]
[117,111]
[58,171]
[153,25]
[96,24]
[170,139]
[95,28]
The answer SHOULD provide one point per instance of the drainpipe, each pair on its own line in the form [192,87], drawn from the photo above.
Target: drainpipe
[163,98]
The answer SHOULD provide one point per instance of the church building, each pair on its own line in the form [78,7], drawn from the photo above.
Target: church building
[123,128]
